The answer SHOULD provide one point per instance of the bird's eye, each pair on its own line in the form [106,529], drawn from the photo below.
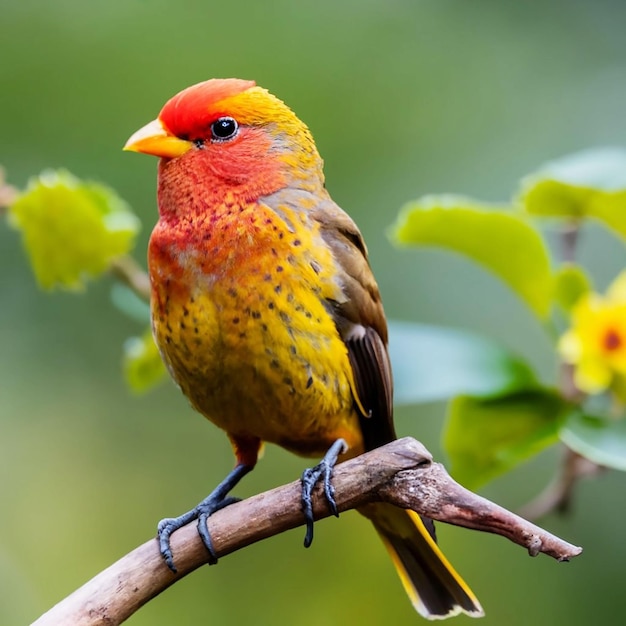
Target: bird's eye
[224,128]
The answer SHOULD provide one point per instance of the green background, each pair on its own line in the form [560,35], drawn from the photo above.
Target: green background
[404,97]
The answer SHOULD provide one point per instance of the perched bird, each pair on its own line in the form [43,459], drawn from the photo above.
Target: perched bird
[267,314]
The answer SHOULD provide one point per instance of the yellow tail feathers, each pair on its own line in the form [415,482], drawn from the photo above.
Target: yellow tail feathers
[432,584]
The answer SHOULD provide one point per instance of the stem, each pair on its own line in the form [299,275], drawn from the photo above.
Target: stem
[569,241]
[127,270]
[8,193]
[558,495]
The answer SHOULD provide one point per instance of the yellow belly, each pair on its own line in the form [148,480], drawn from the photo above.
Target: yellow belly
[258,354]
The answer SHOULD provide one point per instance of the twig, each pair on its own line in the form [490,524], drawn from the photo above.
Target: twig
[558,495]
[569,241]
[8,193]
[401,472]
[128,271]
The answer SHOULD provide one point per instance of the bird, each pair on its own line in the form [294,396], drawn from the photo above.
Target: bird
[267,314]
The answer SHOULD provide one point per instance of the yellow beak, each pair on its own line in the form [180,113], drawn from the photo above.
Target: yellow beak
[155,139]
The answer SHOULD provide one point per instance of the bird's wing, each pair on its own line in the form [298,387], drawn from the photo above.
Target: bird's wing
[360,319]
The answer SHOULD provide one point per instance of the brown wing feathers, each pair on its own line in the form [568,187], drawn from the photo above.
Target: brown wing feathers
[361,321]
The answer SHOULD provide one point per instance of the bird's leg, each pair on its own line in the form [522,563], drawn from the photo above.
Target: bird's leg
[215,501]
[323,471]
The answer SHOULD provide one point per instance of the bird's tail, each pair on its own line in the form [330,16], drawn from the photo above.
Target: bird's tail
[434,587]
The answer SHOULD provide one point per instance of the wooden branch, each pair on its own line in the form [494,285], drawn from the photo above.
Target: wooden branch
[401,472]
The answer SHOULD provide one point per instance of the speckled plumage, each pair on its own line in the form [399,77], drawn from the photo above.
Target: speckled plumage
[240,316]
[264,305]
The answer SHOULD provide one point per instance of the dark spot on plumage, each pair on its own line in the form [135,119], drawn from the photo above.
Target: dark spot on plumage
[284,317]
[274,364]
[278,288]
[293,350]
[256,315]
[288,381]
[279,268]
[168,339]
[232,292]
[309,382]
[182,325]
[242,335]
[195,330]
[297,242]
[274,252]
[308,315]
[267,277]
[169,328]
[316,267]
[197,341]
[270,305]
[264,327]
[192,299]
[299,308]
[281,235]
[290,298]
[268,220]
[185,311]
[235,320]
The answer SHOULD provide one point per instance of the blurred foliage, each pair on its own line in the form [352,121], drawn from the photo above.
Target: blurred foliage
[71,229]
[404,98]
[482,439]
[486,437]
[503,242]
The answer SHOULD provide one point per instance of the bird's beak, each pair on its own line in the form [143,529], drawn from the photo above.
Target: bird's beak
[155,139]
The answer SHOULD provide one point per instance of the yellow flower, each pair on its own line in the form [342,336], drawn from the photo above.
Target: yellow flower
[596,342]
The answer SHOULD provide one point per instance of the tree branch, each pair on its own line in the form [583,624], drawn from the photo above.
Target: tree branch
[402,473]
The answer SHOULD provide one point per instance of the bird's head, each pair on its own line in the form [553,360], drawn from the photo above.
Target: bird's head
[231,135]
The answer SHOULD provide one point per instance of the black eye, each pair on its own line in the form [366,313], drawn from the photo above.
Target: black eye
[224,128]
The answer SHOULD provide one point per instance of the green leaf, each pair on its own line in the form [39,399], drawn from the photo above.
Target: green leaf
[609,208]
[143,367]
[501,241]
[570,283]
[589,184]
[71,229]
[433,363]
[602,441]
[487,437]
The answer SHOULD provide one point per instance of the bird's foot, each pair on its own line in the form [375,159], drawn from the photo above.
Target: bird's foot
[215,501]
[323,471]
